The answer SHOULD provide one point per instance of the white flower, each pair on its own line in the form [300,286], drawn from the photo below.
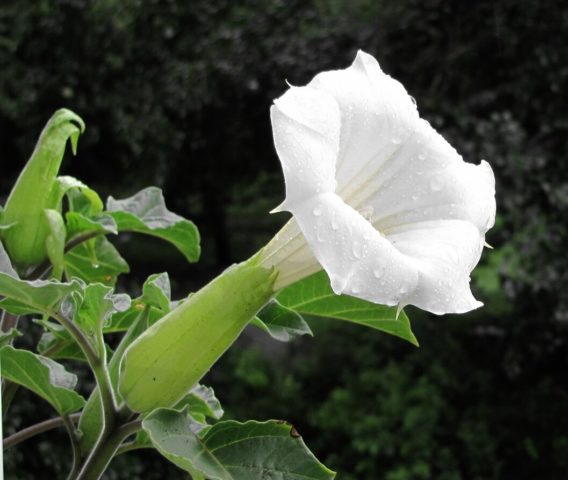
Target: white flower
[380,200]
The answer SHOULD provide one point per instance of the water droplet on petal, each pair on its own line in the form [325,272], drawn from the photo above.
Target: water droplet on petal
[421,156]
[414,197]
[317,211]
[356,249]
[396,140]
[436,184]
[334,224]
[378,272]
[338,284]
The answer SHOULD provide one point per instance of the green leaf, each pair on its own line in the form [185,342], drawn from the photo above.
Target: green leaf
[156,294]
[55,241]
[5,263]
[103,264]
[234,451]
[91,308]
[39,296]
[146,212]
[43,376]
[79,224]
[202,403]
[281,323]
[81,198]
[157,291]
[91,421]
[60,349]
[7,337]
[314,296]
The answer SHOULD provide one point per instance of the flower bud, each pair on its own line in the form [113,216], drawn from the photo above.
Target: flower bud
[35,191]
[172,355]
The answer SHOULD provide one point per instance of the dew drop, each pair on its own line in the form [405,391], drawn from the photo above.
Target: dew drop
[95,265]
[334,224]
[367,212]
[396,140]
[356,249]
[421,156]
[436,184]
[378,272]
[414,197]
[338,284]
[355,289]
[317,211]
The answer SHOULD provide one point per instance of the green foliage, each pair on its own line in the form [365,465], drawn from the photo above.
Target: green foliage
[281,323]
[35,192]
[180,99]
[231,450]
[43,376]
[95,261]
[146,212]
[314,296]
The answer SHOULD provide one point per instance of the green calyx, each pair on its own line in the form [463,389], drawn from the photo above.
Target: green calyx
[35,191]
[172,355]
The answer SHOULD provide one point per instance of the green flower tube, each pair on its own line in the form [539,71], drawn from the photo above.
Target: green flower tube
[160,367]
[35,191]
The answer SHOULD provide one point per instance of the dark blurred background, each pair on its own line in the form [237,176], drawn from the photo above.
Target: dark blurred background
[177,93]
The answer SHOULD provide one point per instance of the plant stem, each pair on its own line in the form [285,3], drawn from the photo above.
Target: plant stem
[9,389]
[36,429]
[96,361]
[43,269]
[75,447]
[130,447]
[104,451]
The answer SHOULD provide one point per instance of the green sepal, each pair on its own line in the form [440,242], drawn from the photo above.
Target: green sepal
[34,191]
[55,241]
[174,353]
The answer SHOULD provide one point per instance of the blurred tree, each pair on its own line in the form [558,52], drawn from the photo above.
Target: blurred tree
[177,94]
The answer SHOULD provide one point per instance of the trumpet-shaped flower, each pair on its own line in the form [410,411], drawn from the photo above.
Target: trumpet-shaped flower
[380,200]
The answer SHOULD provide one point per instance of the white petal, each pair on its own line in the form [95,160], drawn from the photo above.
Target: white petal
[403,219]
[427,179]
[358,260]
[377,116]
[444,252]
[305,124]
[289,253]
